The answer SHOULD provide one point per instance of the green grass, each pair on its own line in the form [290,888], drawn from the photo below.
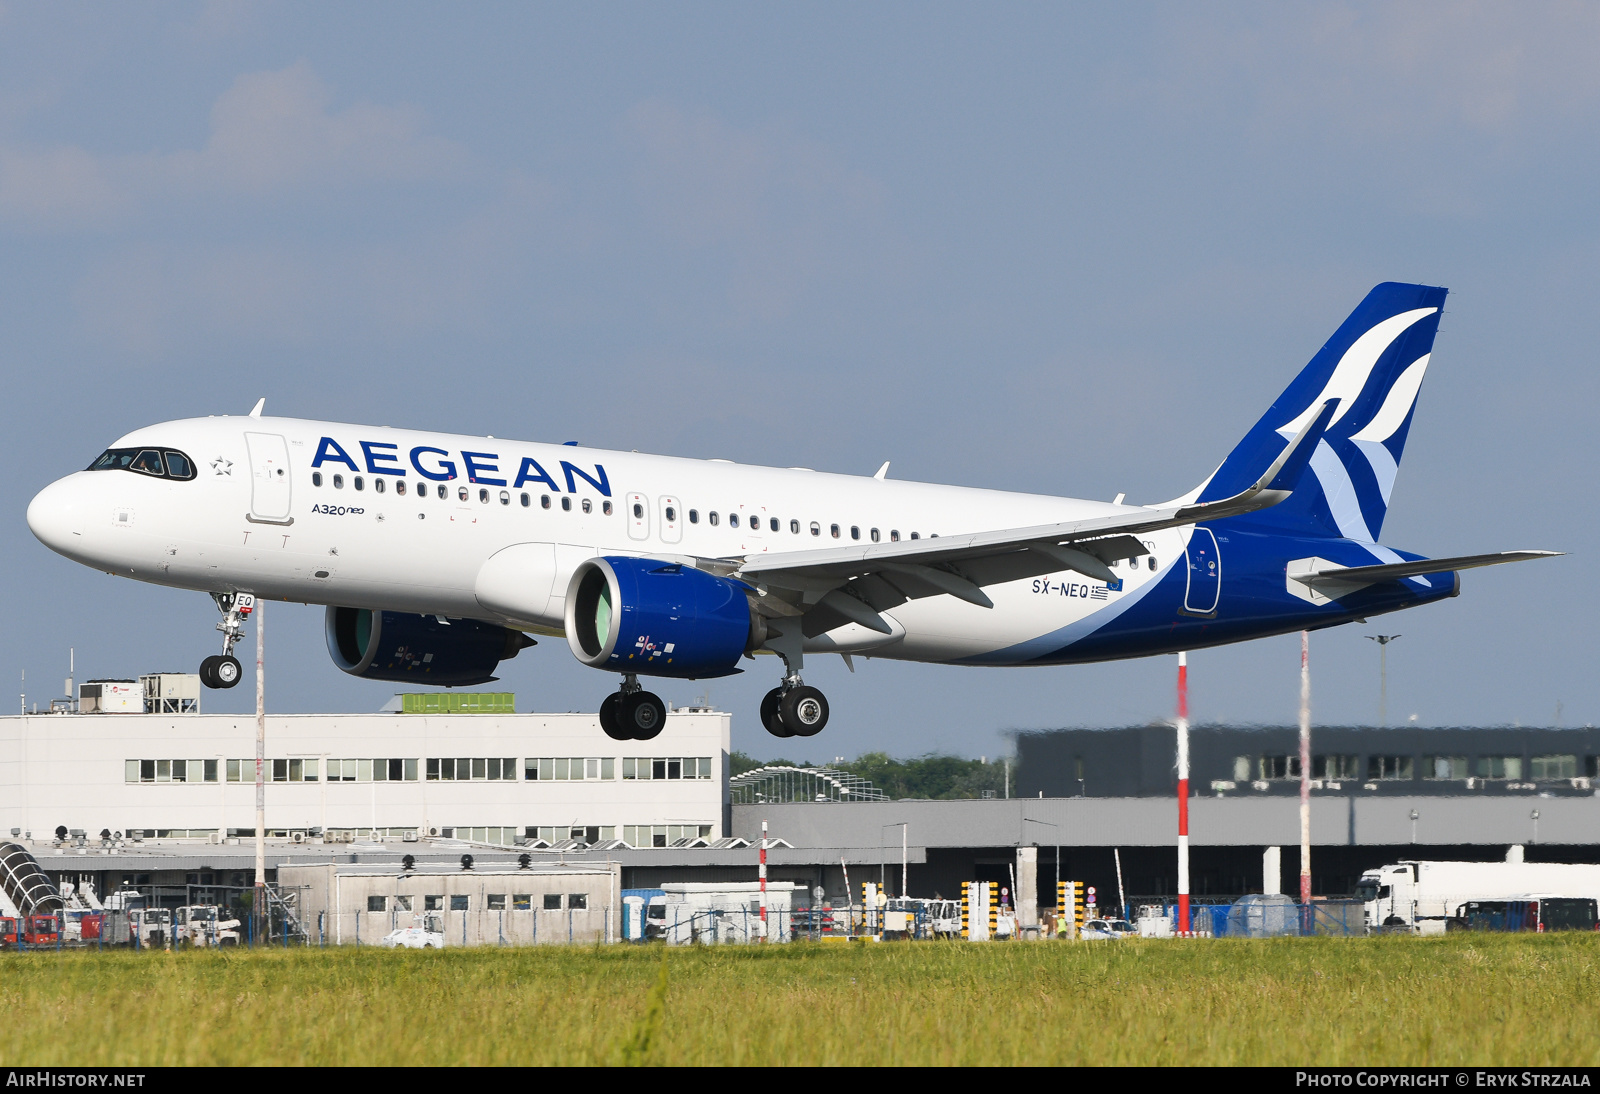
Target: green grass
[1483,999]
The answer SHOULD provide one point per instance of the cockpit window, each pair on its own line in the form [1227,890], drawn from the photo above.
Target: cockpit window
[146,461]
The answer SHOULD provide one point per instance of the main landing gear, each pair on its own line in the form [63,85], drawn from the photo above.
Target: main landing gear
[631,713]
[224,671]
[792,709]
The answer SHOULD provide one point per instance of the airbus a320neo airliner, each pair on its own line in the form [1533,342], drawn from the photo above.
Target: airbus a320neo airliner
[437,554]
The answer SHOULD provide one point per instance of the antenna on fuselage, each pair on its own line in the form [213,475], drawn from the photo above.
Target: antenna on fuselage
[260,405]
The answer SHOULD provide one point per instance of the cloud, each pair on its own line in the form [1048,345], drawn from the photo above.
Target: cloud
[272,134]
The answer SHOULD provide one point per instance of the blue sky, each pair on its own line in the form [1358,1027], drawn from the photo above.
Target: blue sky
[1064,249]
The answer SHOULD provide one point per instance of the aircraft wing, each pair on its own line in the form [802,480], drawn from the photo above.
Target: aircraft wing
[1345,576]
[837,585]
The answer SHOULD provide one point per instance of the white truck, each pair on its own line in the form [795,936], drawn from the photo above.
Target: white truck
[1423,897]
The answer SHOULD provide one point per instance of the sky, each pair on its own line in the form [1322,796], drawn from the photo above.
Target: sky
[1067,249]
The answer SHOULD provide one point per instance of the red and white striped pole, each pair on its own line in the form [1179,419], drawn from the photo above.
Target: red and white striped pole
[1183,792]
[1305,767]
[763,881]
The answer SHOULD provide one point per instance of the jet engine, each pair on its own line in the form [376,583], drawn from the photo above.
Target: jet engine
[418,649]
[654,618]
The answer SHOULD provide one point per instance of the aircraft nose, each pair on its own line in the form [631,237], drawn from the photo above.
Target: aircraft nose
[55,516]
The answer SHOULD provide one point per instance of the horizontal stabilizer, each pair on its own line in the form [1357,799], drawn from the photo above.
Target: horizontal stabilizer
[1392,571]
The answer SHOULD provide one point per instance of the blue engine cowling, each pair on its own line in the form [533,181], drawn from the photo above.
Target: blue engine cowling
[657,618]
[418,649]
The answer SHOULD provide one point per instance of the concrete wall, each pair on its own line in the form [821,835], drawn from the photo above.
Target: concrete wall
[339,896]
[1153,822]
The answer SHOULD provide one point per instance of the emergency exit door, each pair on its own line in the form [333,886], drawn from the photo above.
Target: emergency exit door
[269,478]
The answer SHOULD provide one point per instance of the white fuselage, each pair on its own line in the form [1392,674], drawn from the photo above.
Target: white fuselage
[254,519]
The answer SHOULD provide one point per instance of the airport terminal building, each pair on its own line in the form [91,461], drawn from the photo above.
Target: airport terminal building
[166,801]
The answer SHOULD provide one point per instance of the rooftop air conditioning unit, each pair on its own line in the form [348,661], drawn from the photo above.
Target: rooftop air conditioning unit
[409,835]
[433,833]
[215,837]
[298,837]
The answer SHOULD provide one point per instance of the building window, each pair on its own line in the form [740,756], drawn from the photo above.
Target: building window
[1389,767]
[521,902]
[1553,767]
[1334,768]
[1498,767]
[433,903]
[1278,767]
[666,767]
[458,902]
[377,903]
[552,902]
[578,901]
[497,902]
[1444,767]
[402,904]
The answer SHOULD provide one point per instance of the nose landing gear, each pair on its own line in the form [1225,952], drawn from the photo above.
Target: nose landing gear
[631,713]
[224,671]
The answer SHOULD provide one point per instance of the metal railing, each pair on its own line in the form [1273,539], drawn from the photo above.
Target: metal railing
[781,784]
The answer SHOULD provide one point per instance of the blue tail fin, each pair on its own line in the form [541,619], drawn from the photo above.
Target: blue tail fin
[1373,365]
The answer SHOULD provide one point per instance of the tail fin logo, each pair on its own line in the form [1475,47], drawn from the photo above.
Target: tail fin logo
[1373,365]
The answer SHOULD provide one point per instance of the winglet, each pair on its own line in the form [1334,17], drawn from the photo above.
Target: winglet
[261,404]
[882,472]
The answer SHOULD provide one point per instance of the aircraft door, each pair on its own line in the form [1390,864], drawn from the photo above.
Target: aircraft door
[269,477]
[671,520]
[1204,589]
[638,516]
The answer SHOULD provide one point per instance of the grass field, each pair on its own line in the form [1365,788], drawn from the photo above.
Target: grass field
[1484,999]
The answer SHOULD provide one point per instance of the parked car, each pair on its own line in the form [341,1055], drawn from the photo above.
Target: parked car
[1107,928]
[413,938]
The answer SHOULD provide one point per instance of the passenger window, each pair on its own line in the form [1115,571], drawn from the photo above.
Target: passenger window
[338,482]
[1151,561]
[834,528]
[915,536]
[605,508]
[588,506]
[733,520]
[794,527]
[874,535]
[525,499]
[694,516]
[566,503]
[774,524]
[359,483]
[316,478]
[149,462]
[444,492]
[483,496]
[855,532]
[672,514]
[377,484]
[400,487]
[638,510]
[816,529]
[894,535]
[713,518]
[178,466]
[544,501]
[461,493]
